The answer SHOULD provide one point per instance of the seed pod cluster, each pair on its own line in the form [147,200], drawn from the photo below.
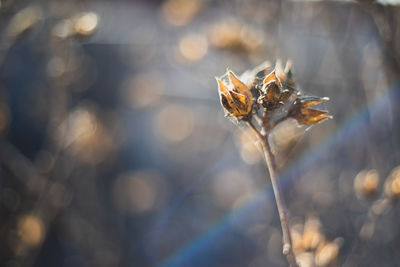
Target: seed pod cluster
[272,90]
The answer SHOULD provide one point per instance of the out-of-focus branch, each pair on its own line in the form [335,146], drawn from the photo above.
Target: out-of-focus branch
[19,165]
[385,21]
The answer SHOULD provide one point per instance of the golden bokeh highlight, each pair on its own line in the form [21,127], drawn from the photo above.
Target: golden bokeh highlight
[81,125]
[180,12]
[192,47]
[143,90]
[63,29]
[139,192]
[297,240]
[86,136]
[395,187]
[230,188]
[24,20]
[392,184]
[86,23]
[306,259]
[310,245]
[31,230]
[366,183]
[174,123]
[307,237]
[233,35]
[326,254]
[311,235]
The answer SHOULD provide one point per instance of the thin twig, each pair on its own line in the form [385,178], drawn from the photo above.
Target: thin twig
[280,202]
[255,130]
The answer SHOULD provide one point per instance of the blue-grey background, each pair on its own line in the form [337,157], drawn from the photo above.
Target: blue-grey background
[115,150]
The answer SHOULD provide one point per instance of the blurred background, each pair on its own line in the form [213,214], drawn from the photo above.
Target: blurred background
[114,149]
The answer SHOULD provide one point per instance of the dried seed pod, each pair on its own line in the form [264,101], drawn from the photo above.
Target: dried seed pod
[287,95]
[308,101]
[272,77]
[271,89]
[307,116]
[238,86]
[235,98]
[272,95]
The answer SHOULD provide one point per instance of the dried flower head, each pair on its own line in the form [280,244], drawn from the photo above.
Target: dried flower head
[270,91]
[305,115]
[275,92]
[235,97]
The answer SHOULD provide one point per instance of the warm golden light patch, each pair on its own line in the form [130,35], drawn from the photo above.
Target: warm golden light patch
[193,47]
[230,188]
[180,12]
[139,192]
[326,254]
[392,184]
[366,182]
[30,230]
[86,23]
[174,123]
[24,20]
[143,90]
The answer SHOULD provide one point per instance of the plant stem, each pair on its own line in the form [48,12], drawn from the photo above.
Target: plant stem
[280,202]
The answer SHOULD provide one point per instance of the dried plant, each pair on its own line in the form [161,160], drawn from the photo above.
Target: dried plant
[366,186]
[262,99]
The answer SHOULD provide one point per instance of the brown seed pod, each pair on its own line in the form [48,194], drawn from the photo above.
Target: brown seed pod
[235,98]
[307,116]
